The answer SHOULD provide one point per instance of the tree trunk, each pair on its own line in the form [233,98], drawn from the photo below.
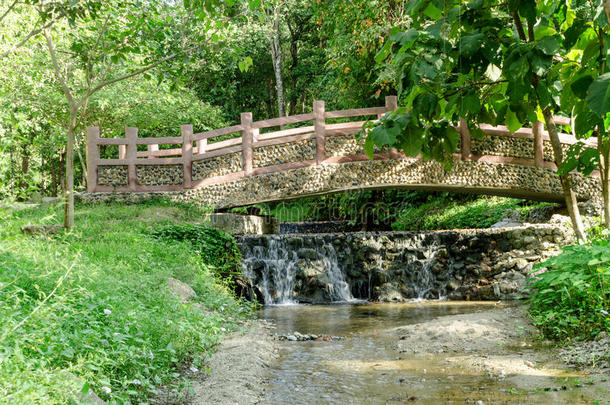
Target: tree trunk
[69,189]
[83,167]
[566,182]
[604,172]
[276,59]
[43,179]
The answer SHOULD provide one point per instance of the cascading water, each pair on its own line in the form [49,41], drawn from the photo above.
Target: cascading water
[278,265]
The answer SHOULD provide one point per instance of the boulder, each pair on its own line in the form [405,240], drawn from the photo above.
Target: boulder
[184,291]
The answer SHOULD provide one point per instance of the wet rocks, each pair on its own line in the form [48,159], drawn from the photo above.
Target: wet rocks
[300,337]
[487,264]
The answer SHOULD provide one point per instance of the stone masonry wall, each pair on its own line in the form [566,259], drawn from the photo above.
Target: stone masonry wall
[487,264]
[514,180]
[112,175]
[284,153]
[162,175]
[503,146]
[217,166]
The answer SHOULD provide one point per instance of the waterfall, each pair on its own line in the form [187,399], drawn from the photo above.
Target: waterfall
[280,263]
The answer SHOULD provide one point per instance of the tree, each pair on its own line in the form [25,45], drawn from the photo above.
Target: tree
[100,49]
[484,62]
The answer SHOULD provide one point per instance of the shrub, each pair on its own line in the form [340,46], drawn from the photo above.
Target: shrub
[570,299]
[215,247]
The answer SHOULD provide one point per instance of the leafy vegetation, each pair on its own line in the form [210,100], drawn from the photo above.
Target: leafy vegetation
[571,299]
[400,209]
[448,212]
[90,309]
[214,246]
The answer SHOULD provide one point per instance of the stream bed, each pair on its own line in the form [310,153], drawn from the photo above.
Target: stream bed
[427,352]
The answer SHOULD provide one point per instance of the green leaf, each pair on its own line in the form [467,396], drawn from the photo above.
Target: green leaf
[413,141]
[471,43]
[432,11]
[512,122]
[369,146]
[527,8]
[470,104]
[548,45]
[598,98]
[581,85]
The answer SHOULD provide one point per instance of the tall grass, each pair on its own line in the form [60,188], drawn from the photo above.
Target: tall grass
[90,309]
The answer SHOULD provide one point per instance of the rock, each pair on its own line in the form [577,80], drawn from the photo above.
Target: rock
[453,285]
[41,229]
[306,253]
[184,291]
[291,338]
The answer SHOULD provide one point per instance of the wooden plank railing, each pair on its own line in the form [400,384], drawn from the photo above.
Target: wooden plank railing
[246,137]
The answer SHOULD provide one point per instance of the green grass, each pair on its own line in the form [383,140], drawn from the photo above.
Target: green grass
[463,213]
[109,323]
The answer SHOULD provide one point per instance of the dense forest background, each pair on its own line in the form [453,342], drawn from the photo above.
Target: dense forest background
[275,62]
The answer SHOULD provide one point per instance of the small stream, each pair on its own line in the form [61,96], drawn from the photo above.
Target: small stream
[366,367]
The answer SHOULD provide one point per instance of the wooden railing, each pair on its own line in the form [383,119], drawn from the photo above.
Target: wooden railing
[200,146]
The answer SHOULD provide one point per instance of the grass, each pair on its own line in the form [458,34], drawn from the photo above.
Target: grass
[89,309]
[451,213]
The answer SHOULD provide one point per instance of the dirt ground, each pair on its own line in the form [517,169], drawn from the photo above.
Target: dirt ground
[238,368]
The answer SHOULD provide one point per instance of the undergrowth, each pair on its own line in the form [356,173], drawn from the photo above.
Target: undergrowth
[571,299]
[448,212]
[214,246]
[90,308]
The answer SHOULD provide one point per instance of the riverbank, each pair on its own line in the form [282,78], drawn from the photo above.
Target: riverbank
[237,372]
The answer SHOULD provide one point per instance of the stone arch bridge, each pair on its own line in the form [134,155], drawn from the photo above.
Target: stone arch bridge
[317,153]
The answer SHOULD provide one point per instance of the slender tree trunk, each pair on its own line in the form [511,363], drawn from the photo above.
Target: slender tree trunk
[43,179]
[83,167]
[69,189]
[566,181]
[54,180]
[604,172]
[276,59]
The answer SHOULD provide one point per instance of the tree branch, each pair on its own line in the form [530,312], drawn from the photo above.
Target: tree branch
[8,10]
[32,33]
[519,25]
[57,70]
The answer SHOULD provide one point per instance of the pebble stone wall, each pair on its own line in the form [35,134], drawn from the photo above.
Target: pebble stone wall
[514,180]
[162,175]
[503,146]
[284,153]
[343,145]
[112,176]
[218,166]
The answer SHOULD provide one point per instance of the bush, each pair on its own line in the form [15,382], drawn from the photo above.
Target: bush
[570,299]
[215,247]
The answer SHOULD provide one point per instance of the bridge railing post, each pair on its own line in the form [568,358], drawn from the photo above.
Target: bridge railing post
[93,156]
[391,104]
[247,136]
[465,140]
[320,129]
[151,150]
[131,134]
[187,154]
[538,130]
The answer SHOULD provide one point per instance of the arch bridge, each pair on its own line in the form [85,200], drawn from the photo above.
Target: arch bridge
[262,161]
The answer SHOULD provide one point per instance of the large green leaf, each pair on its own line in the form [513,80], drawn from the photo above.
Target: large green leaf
[413,141]
[581,85]
[512,122]
[598,98]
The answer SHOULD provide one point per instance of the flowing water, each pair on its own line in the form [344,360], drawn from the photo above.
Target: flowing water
[366,367]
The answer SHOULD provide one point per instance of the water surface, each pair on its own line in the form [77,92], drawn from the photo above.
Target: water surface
[366,367]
